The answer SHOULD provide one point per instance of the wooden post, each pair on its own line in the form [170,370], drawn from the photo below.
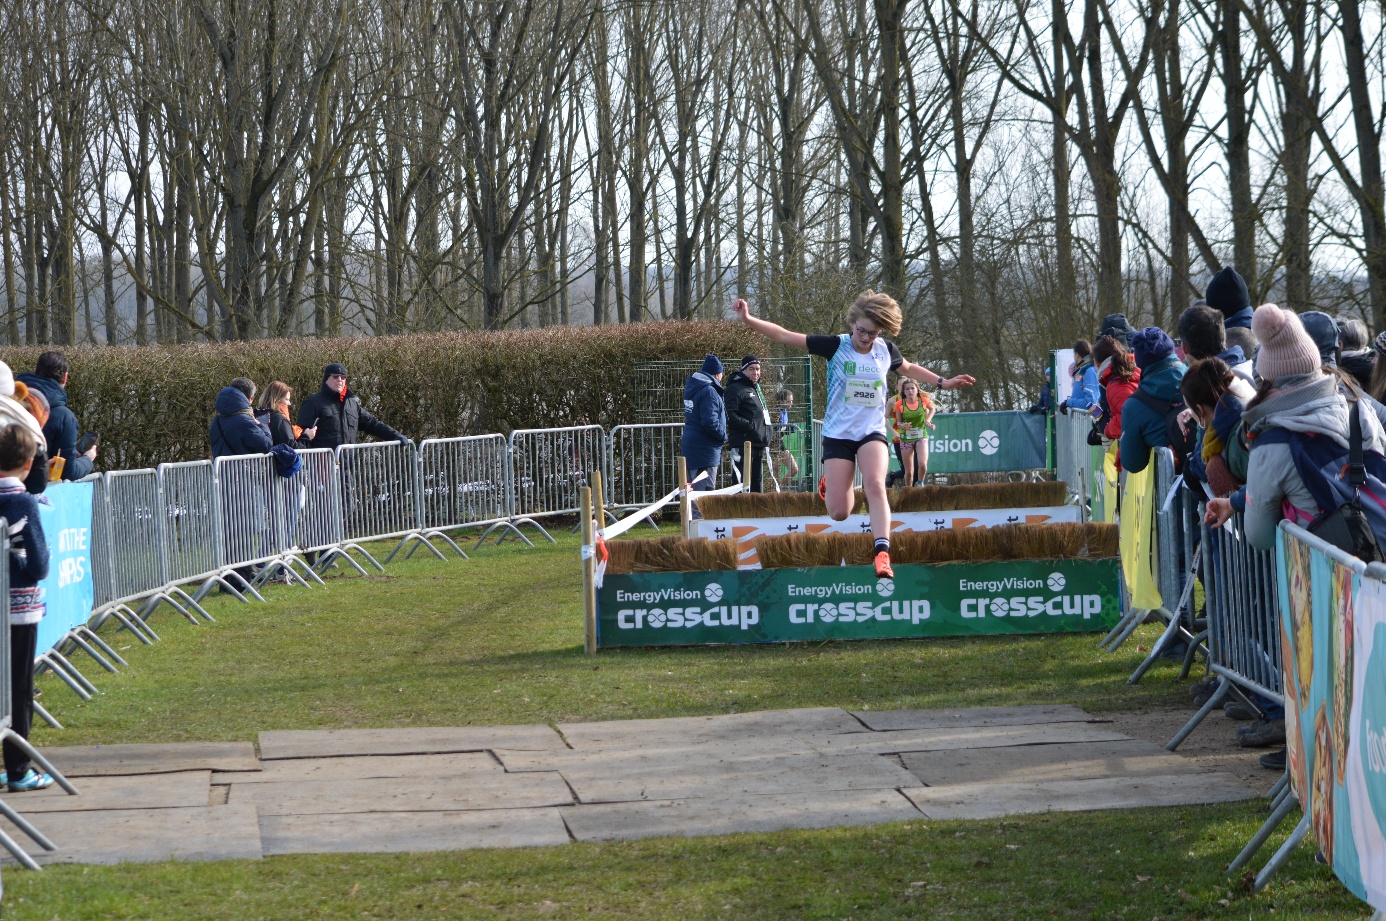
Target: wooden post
[685,504]
[598,503]
[746,467]
[589,574]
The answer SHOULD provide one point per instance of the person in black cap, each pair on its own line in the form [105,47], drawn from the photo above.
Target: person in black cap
[748,419]
[1227,294]
[338,414]
[704,424]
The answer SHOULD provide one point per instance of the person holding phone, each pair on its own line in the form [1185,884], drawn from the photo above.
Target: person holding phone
[337,416]
[273,411]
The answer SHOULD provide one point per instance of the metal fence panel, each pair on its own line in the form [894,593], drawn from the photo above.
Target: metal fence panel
[136,531]
[310,502]
[251,521]
[102,590]
[464,480]
[549,467]
[642,463]
[1073,454]
[191,527]
[379,490]
[1243,620]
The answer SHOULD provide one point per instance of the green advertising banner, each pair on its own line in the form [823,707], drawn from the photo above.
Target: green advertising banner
[973,442]
[850,603]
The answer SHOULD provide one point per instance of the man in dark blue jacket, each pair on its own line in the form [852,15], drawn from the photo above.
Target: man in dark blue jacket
[235,430]
[49,377]
[704,423]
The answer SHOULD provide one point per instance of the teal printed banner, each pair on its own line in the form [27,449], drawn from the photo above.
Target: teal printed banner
[977,442]
[850,603]
[65,512]
[1333,646]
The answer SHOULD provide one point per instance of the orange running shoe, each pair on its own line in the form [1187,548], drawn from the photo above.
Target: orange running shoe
[883,570]
[823,487]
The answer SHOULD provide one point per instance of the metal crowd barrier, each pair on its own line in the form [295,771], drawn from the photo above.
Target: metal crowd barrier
[549,467]
[642,464]
[464,483]
[313,503]
[256,527]
[381,499]
[1073,454]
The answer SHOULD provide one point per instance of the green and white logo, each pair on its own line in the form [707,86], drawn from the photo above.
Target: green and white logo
[713,592]
[1057,582]
[885,587]
[988,442]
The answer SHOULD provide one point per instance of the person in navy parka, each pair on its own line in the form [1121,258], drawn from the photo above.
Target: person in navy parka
[235,430]
[704,423]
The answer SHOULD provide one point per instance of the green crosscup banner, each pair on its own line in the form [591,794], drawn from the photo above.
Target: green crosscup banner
[850,603]
[974,442]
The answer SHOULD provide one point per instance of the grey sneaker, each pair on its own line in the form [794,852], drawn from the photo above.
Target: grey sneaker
[1262,734]
[1236,710]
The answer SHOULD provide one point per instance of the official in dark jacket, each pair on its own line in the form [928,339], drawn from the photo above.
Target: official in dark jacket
[704,423]
[338,415]
[61,431]
[235,429]
[748,419]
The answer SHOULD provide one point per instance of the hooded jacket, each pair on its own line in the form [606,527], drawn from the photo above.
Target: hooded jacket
[704,422]
[1115,395]
[1141,428]
[1307,404]
[61,431]
[340,419]
[747,417]
[234,429]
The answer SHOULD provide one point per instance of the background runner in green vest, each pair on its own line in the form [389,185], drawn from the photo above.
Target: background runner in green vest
[912,415]
[854,424]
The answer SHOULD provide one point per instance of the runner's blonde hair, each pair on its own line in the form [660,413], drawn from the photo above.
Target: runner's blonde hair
[879,308]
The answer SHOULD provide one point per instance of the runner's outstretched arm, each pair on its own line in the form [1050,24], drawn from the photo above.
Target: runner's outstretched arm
[925,376]
[772,331]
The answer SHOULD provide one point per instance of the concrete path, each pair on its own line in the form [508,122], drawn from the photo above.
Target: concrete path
[378,790]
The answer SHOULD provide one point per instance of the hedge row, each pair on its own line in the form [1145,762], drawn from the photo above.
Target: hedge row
[153,405]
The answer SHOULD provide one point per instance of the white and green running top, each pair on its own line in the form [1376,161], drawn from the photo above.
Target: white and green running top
[856,385]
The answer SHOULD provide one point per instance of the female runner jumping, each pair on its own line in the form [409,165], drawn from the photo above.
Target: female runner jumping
[854,424]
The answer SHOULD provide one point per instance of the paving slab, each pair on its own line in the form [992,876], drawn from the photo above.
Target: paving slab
[110,760]
[885,720]
[692,730]
[657,754]
[1034,763]
[990,800]
[185,788]
[146,835]
[382,832]
[724,815]
[774,774]
[914,740]
[476,765]
[445,794]
[327,743]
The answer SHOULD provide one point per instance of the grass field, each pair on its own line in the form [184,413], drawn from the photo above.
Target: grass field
[498,640]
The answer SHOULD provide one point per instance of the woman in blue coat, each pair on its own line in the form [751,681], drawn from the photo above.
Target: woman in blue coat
[1086,392]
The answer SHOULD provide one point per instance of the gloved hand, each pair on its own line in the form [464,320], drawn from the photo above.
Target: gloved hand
[404,440]
[1063,407]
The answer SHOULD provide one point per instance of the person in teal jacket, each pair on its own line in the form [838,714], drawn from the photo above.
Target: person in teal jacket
[1142,429]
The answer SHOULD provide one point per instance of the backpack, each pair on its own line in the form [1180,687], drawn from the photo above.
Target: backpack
[1181,443]
[1348,486]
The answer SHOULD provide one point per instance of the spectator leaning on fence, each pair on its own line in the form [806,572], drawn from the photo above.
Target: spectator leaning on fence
[1203,335]
[1142,428]
[704,423]
[28,564]
[1085,394]
[1217,398]
[49,377]
[748,419]
[338,417]
[234,429]
[1119,378]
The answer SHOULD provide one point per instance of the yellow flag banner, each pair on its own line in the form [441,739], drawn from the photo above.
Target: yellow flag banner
[1138,538]
[1111,480]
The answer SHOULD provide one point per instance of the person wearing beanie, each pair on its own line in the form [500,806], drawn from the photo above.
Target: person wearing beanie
[1227,294]
[1297,399]
[1142,426]
[704,424]
[748,419]
[1326,335]
[338,415]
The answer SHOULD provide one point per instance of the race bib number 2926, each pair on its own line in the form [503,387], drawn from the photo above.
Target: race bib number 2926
[863,393]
